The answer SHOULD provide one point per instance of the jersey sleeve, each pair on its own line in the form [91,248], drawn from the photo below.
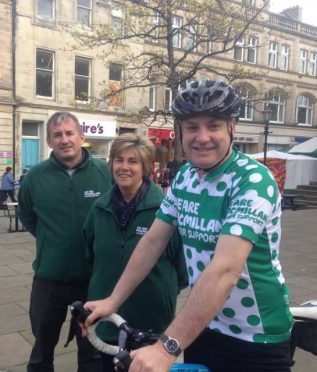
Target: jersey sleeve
[168,210]
[255,203]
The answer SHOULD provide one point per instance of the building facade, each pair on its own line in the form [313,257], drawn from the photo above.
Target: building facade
[50,75]
[6,84]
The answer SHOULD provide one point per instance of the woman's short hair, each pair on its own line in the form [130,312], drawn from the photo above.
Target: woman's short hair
[141,144]
[8,169]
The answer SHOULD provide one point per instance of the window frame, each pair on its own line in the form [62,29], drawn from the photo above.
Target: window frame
[117,15]
[177,35]
[302,69]
[190,38]
[52,4]
[46,71]
[168,105]
[272,54]
[246,106]
[89,14]
[83,77]
[252,48]
[284,57]
[152,98]
[312,66]
[309,110]
[279,103]
[114,66]
[239,47]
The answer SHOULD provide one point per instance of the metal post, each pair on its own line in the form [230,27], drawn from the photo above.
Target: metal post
[267,117]
[266,133]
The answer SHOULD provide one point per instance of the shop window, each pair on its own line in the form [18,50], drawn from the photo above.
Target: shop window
[304,110]
[82,79]
[44,73]
[45,9]
[84,12]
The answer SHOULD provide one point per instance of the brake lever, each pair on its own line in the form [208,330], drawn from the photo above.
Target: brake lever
[78,312]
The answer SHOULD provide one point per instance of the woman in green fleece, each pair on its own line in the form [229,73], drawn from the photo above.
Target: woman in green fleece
[115,224]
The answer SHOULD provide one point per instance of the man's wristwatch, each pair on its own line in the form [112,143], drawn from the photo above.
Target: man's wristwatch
[171,345]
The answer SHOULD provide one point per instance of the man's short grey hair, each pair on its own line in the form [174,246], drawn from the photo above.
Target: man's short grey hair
[57,118]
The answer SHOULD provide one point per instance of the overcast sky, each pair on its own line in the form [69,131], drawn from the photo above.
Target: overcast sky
[309,8]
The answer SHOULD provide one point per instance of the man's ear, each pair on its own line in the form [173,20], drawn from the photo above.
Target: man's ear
[233,126]
[48,141]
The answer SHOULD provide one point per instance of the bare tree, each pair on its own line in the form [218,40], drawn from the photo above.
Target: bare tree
[176,41]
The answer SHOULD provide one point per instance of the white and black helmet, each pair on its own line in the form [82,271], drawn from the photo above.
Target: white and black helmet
[206,96]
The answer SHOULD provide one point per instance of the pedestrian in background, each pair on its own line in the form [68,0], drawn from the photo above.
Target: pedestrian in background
[7,186]
[54,201]
[24,173]
[124,215]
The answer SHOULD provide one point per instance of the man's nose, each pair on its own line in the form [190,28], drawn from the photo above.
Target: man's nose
[203,135]
[64,138]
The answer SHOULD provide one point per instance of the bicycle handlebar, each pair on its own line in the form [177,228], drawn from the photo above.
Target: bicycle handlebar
[128,339]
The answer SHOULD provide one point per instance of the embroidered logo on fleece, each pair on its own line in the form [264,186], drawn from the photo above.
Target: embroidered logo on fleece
[141,230]
[91,194]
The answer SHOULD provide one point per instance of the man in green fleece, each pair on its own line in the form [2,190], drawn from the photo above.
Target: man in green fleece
[54,200]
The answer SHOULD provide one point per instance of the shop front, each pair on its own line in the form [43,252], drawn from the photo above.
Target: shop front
[163,140]
[98,136]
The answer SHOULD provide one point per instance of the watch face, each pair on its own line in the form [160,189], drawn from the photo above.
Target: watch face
[172,345]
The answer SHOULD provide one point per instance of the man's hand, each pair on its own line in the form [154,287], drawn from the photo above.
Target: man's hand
[152,358]
[99,309]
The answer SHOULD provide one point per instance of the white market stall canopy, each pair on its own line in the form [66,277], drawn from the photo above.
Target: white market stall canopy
[299,169]
[308,148]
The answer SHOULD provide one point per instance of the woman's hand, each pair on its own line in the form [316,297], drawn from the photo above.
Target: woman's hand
[99,309]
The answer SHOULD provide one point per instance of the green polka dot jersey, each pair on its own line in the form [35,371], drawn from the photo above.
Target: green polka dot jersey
[240,198]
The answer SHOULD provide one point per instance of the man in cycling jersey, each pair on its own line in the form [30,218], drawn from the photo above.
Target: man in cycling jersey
[227,208]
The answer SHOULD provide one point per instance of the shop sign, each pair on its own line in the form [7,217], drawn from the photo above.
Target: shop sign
[6,157]
[98,128]
[157,135]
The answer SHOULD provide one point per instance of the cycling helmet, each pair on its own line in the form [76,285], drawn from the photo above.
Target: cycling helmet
[206,97]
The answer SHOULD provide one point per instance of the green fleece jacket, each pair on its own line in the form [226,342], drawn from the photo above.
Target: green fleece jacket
[53,207]
[152,304]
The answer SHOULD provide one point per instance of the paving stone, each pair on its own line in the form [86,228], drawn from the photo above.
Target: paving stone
[14,349]
[14,324]
[9,310]
[23,268]
[16,280]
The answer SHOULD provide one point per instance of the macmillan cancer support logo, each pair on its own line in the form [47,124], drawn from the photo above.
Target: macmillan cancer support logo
[91,194]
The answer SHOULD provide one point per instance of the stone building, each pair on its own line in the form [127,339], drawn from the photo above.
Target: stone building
[6,93]
[50,75]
